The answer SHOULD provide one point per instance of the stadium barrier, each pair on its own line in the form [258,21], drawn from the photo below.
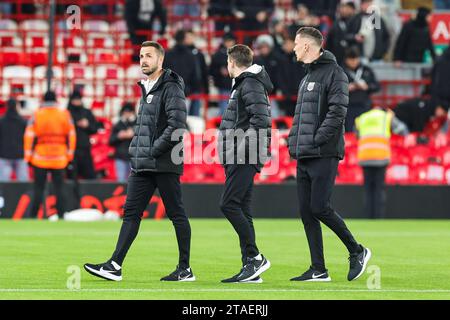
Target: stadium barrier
[403,202]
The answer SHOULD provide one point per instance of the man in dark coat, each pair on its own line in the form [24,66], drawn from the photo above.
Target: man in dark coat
[372,40]
[440,79]
[85,125]
[12,129]
[244,142]
[316,141]
[338,37]
[121,136]
[218,69]
[156,162]
[415,39]
[181,60]
[362,84]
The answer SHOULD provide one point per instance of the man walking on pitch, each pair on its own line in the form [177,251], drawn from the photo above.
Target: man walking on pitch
[162,110]
[244,141]
[316,140]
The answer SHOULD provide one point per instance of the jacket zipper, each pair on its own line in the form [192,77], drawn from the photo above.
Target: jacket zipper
[318,116]
[140,123]
[301,113]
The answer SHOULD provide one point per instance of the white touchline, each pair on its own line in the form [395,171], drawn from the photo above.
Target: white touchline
[6,290]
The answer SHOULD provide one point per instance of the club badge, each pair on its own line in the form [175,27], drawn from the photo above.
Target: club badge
[310,86]
[149,98]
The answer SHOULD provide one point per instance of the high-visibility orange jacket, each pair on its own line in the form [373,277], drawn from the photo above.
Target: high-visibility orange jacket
[50,138]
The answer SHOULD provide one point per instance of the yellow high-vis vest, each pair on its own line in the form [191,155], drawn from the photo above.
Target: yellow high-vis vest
[374,132]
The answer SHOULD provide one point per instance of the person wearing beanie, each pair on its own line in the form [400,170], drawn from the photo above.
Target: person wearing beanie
[49,145]
[85,125]
[415,39]
[218,70]
[120,139]
[12,129]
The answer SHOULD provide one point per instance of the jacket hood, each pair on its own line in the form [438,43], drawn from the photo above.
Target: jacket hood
[325,58]
[257,72]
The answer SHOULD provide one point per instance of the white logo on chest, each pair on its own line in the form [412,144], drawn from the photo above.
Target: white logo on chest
[310,86]
[149,98]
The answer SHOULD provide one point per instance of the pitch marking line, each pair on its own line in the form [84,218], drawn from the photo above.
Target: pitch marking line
[18,290]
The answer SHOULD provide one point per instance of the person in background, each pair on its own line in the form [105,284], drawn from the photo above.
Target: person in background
[337,40]
[219,72]
[362,83]
[274,63]
[415,39]
[12,130]
[440,79]
[181,60]
[85,125]
[304,18]
[121,136]
[201,70]
[140,15]
[49,145]
[293,74]
[253,15]
[374,129]
[222,11]
[372,40]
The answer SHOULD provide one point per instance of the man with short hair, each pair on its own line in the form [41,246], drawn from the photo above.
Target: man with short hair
[316,141]
[162,111]
[244,142]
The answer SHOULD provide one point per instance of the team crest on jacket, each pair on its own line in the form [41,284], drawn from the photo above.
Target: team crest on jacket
[149,98]
[310,86]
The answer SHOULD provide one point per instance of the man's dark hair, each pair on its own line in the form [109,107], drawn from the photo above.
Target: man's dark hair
[312,33]
[350,5]
[352,53]
[155,45]
[241,54]
[179,36]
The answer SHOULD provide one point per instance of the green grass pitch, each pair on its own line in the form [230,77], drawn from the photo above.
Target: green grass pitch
[413,257]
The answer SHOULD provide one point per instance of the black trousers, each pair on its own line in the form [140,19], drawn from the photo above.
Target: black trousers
[235,205]
[375,196]
[141,187]
[84,165]
[315,181]
[40,180]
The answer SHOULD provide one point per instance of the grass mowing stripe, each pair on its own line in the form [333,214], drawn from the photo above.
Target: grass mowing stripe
[230,290]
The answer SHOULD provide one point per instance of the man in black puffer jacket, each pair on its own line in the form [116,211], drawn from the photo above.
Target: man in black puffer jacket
[161,115]
[316,140]
[244,142]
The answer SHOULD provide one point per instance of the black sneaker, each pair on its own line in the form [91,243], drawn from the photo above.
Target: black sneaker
[358,263]
[108,270]
[252,269]
[312,275]
[181,275]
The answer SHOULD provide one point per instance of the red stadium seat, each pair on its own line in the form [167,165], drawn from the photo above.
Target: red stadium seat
[398,174]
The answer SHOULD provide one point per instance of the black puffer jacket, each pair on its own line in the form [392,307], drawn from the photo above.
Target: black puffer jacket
[249,110]
[322,101]
[161,112]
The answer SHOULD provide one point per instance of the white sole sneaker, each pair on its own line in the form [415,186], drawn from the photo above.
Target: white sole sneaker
[366,261]
[103,274]
[328,279]
[191,279]
[260,280]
